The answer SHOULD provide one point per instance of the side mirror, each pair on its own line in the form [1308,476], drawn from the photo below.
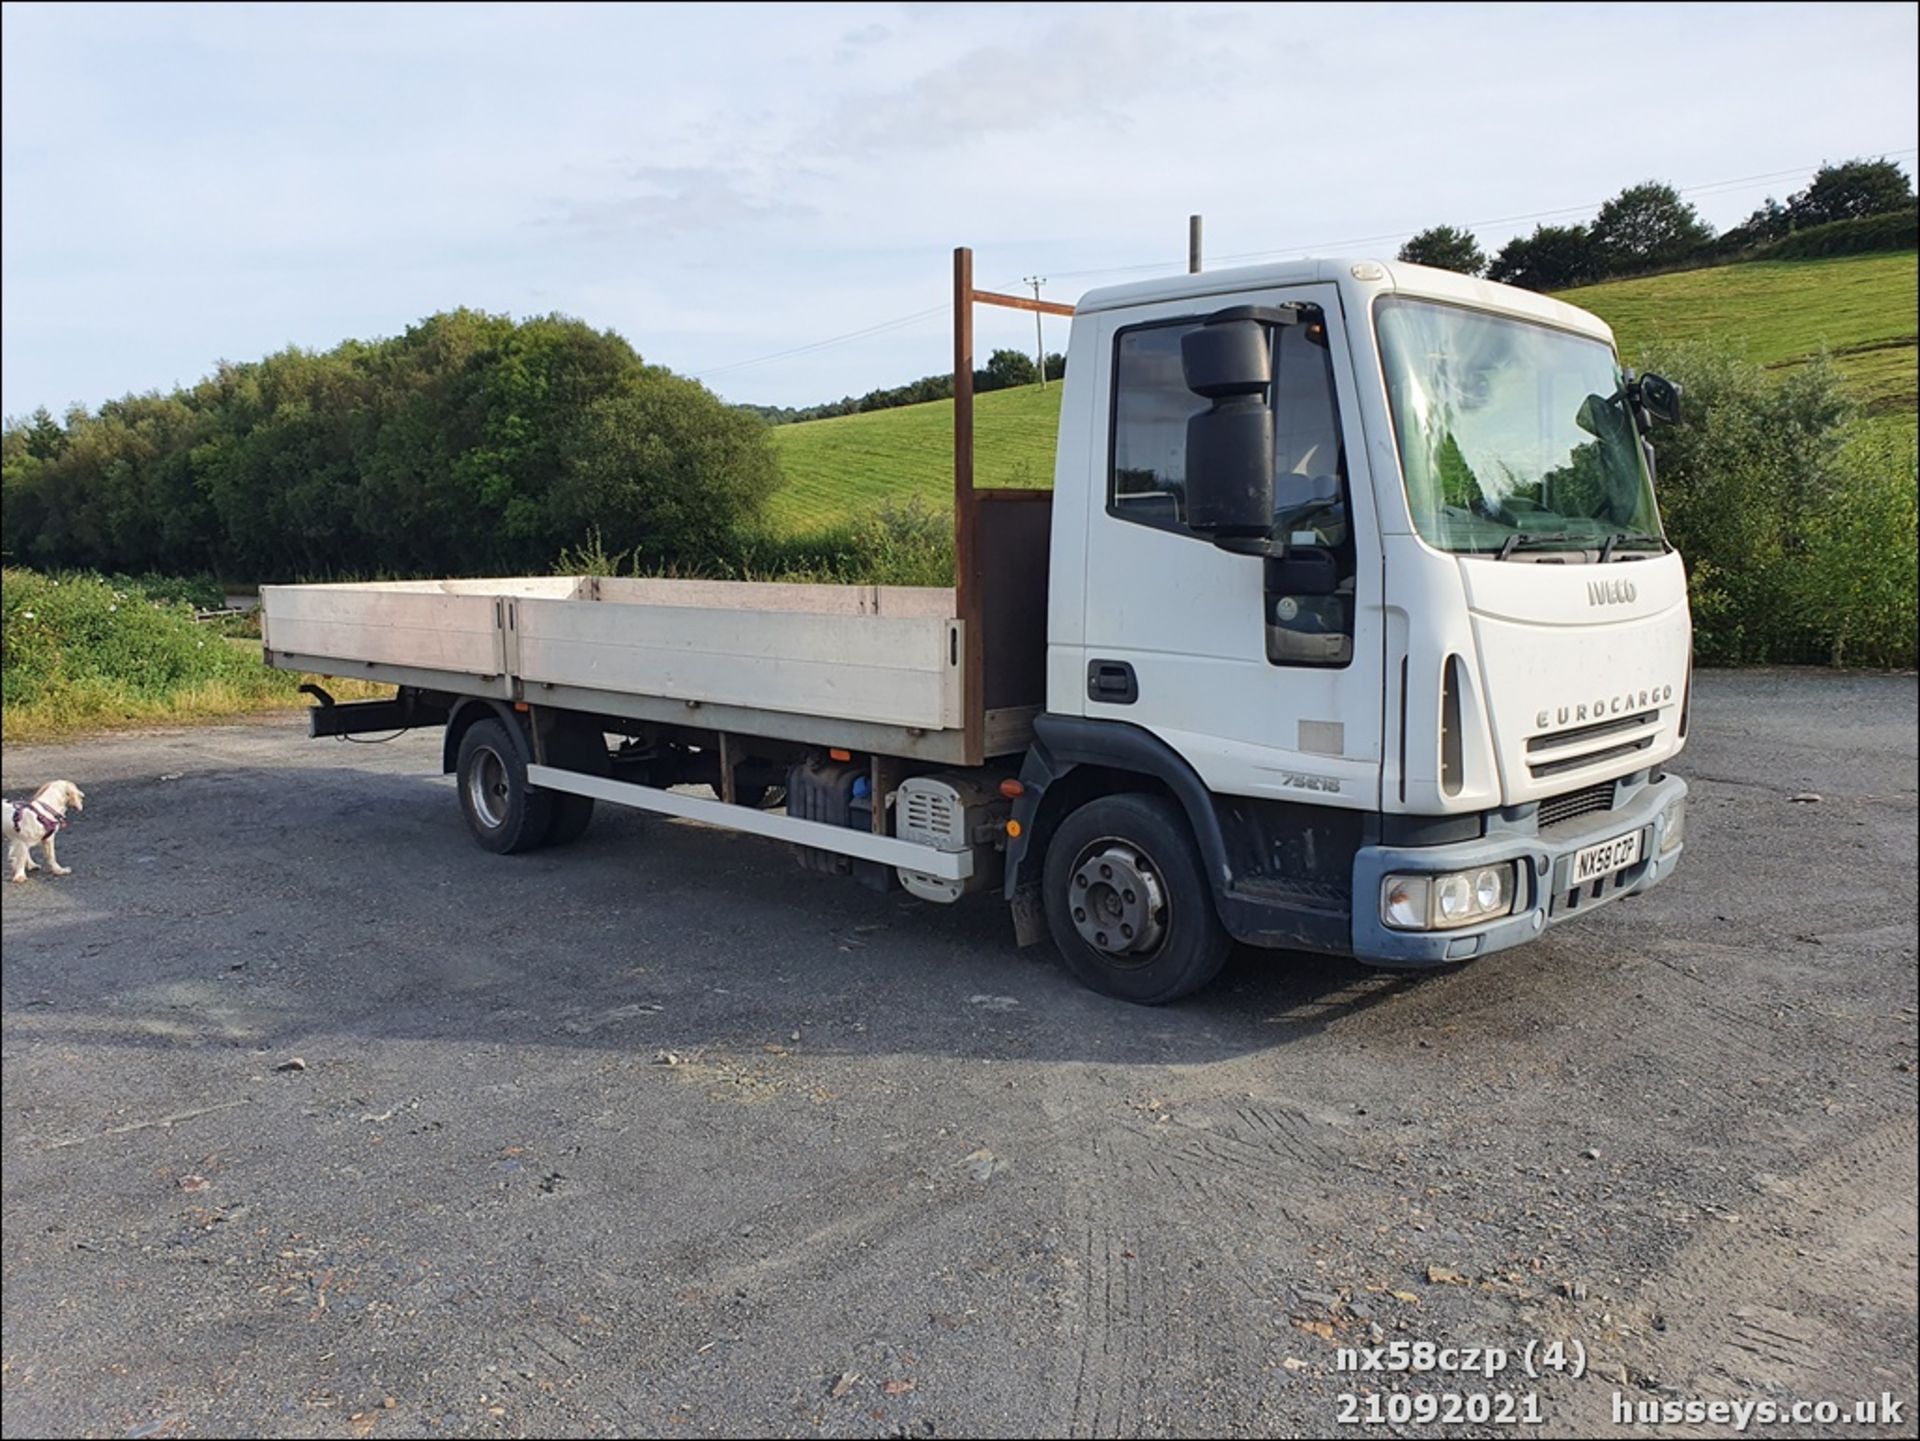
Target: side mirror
[1660,398]
[1230,446]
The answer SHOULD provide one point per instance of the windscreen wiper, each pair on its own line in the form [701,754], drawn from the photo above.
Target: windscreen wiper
[1521,540]
[1627,537]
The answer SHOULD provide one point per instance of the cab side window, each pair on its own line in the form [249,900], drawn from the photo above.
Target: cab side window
[1147,482]
[1151,408]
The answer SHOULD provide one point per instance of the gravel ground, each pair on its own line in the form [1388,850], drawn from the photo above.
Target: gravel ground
[320,1120]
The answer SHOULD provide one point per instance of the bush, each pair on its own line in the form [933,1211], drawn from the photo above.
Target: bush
[1796,518]
[1893,230]
[67,633]
[198,592]
[78,651]
[472,444]
[1858,587]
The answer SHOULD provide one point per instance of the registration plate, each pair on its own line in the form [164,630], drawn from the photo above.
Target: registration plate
[1606,858]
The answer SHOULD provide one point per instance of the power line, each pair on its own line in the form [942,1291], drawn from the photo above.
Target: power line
[874,329]
[880,327]
[1705,187]
[1700,189]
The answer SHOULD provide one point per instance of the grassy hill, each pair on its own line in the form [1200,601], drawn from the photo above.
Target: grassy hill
[835,469]
[1860,309]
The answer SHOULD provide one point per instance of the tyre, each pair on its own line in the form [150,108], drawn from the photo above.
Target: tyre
[761,796]
[576,749]
[1128,901]
[505,814]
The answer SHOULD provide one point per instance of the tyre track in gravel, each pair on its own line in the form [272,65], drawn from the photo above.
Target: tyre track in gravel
[1693,1111]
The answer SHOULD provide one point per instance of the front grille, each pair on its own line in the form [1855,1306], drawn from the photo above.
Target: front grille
[1560,809]
[1542,769]
[1589,732]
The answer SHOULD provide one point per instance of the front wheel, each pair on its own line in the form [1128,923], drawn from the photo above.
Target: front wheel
[1128,901]
[504,813]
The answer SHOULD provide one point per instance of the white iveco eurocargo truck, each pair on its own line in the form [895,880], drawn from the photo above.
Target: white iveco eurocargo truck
[1346,626]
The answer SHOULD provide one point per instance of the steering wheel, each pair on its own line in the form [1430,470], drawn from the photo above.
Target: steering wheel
[1326,496]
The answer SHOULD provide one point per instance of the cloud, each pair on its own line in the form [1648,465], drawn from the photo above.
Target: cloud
[1087,72]
[678,200]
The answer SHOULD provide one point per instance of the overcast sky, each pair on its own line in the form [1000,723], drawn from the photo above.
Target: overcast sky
[720,184]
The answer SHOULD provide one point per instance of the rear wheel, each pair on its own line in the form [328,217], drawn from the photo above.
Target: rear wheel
[1128,901]
[574,748]
[504,814]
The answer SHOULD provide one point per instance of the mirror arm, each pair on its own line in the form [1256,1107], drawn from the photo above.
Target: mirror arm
[1290,314]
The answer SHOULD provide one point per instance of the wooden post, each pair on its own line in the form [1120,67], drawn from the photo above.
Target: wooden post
[1193,245]
[966,568]
[962,402]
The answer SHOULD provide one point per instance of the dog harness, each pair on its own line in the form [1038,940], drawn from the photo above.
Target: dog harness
[49,821]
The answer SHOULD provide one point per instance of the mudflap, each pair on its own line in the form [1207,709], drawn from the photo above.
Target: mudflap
[1029,915]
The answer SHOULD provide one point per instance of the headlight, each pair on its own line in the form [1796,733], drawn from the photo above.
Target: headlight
[1676,830]
[1445,902]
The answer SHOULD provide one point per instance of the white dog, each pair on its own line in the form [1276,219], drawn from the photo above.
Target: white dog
[27,824]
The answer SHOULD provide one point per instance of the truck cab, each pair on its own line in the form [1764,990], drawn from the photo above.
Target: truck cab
[1416,698]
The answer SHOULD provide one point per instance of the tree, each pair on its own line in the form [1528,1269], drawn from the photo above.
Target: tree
[1850,191]
[471,444]
[1008,368]
[1771,221]
[45,438]
[1646,226]
[1446,248]
[1554,257]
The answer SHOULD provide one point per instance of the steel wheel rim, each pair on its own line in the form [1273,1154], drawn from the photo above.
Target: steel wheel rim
[487,789]
[1117,902]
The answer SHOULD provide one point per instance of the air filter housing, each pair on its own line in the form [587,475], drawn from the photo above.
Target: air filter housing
[952,812]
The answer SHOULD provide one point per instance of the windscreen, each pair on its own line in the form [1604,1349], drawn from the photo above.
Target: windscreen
[1508,428]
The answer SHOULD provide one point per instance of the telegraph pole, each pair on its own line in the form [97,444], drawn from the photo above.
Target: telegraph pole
[1039,336]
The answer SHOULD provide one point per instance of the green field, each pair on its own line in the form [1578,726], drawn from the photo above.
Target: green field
[835,469]
[1860,309]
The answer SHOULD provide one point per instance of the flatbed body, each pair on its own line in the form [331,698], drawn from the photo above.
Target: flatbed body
[877,668]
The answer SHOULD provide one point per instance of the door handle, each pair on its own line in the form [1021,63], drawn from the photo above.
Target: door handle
[1112,682]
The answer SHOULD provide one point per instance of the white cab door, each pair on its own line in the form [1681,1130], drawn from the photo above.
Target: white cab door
[1175,635]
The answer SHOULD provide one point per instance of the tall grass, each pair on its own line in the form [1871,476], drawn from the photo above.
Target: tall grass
[904,543]
[83,652]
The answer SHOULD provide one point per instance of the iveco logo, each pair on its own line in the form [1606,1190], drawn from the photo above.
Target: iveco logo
[1610,592]
[1602,707]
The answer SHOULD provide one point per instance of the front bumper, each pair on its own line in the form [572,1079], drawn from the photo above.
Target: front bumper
[1544,896]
